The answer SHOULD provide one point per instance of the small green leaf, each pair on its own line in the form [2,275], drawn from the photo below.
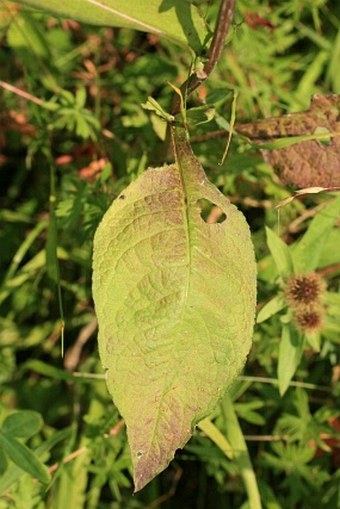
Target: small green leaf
[290,353]
[22,424]
[80,98]
[176,20]
[14,473]
[271,308]
[175,301]
[247,411]
[200,115]
[281,254]
[152,105]
[159,126]
[24,458]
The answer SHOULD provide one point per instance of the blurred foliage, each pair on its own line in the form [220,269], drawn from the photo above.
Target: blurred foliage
[68,146]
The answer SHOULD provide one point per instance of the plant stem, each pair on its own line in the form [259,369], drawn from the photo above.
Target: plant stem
[52,261]
[236,439]
[274,381]
[224,19]
[211,431]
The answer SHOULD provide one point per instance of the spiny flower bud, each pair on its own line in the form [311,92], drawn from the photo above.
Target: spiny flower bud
[310,321]
[303,291]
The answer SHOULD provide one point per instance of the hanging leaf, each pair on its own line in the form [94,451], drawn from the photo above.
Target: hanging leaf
[175,20]
[175,301]
[300,160]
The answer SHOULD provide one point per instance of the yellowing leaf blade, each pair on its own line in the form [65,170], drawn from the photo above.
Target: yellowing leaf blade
[175,300]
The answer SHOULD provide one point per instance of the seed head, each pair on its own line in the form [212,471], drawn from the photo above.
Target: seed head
[310,321]
[304,290]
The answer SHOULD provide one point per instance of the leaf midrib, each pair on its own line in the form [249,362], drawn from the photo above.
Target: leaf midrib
[187,228]
[130,19]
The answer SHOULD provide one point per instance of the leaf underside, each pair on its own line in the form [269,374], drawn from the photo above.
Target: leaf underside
[176,20]
[175,300]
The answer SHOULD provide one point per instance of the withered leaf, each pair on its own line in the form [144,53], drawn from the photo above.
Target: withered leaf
[306,163]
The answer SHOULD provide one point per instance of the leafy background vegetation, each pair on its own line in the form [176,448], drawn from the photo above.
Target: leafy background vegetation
[68,146]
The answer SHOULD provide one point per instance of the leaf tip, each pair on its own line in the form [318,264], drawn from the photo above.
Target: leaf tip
[145,470]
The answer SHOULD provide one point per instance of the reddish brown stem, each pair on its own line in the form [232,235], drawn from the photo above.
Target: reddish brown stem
[224,19]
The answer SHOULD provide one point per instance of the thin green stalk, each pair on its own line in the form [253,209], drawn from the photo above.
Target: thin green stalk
[52,262]
[235,437]
[231,123]
[24,247]
[274,381]
[217,437]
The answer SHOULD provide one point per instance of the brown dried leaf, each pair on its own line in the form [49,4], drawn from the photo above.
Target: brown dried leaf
[307,163]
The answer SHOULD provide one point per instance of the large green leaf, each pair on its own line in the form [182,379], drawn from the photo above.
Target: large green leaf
[175,301]
[176,20]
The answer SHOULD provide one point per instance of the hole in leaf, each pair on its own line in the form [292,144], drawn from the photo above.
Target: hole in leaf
[210,212]
[139,454]
[122,197]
